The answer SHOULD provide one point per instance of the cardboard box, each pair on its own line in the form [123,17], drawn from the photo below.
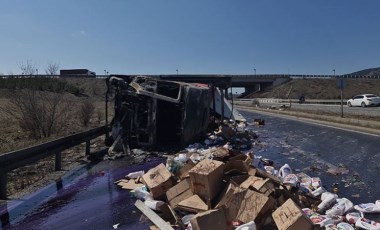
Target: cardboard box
[237,180]
[128,184]
[184,171]
[158,180]
[193,204]
[219,153]
[226,195]
[252,171]
[246,205]
[290,217]
[264,174]
[264,186]
[240,163]
[168,214]
[206,178]
[210,220]
[284,194]
[179,192]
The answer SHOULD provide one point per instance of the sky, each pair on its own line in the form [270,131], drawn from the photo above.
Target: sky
[191,36]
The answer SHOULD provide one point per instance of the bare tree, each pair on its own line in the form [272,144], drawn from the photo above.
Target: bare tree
[52,69]
[39,113]
[86,111]
[28,68]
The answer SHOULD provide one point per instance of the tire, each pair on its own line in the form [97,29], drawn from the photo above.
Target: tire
[349,104]
[363,104]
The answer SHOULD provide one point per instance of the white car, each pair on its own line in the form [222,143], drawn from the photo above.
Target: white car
[364,100]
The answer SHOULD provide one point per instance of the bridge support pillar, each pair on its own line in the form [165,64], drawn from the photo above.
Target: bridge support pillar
[252,89]
[226,93]
[222,103]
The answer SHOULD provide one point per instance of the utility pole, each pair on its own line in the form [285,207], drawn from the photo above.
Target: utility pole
[341,86]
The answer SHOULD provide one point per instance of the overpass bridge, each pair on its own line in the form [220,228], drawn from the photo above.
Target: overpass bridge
[251,83]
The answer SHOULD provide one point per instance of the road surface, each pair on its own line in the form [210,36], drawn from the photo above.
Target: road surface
[90,200]
[313,149]
[367,111]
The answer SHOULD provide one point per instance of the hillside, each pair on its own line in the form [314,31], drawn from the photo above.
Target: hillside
[92,87]
[324,88]
[321,89]
[368,72]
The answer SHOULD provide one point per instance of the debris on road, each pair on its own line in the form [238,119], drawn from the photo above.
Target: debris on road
[341,170]
[223,188]
[218,182]
[369,207]
[259,121]
[128,184]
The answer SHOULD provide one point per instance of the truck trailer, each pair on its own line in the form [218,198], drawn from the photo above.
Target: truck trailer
[76,73]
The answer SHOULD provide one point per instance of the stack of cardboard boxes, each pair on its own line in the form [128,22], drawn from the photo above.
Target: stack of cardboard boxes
[224,194]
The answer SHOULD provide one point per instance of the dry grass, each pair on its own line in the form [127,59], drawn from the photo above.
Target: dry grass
[26,179]
[12,137]
[321,89]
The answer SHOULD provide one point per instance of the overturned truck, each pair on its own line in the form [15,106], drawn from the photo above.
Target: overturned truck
[154,112]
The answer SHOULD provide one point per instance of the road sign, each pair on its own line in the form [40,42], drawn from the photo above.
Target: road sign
[341,83]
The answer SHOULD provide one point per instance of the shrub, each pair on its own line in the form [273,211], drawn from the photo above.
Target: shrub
[39,113]
[86,111]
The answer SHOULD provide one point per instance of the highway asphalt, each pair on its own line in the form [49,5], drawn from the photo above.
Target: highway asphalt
[90,200]
[366,111]
[314,148]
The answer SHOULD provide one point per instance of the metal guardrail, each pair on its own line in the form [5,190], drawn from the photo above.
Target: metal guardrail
[52,76]
[283,101]
[16,159]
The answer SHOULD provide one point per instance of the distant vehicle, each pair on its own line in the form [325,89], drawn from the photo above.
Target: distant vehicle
[76,72]
[364,100]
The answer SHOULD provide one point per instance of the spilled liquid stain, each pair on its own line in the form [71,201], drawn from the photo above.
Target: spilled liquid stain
[88,201]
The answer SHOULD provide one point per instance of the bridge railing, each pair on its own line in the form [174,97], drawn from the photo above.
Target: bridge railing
[52,76]
[303,76]
[17,159]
